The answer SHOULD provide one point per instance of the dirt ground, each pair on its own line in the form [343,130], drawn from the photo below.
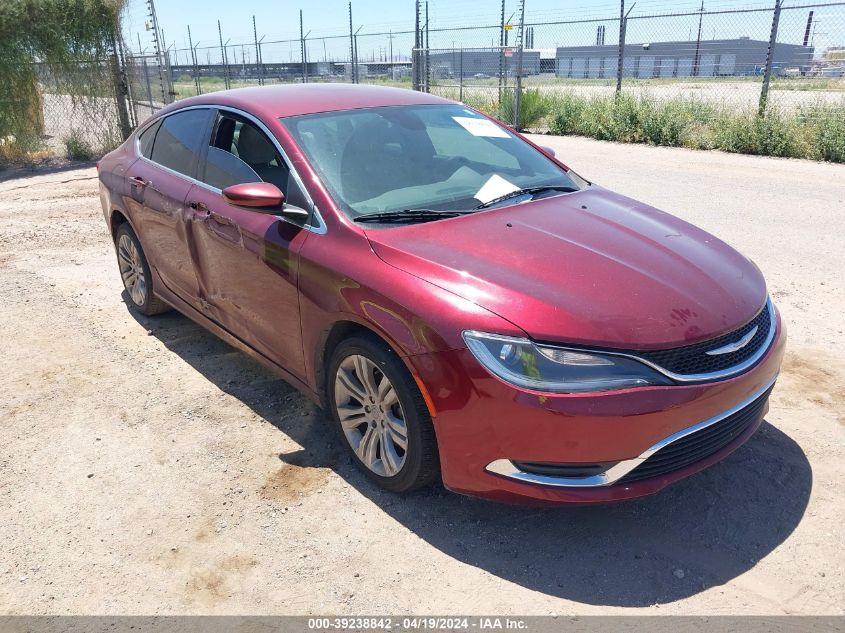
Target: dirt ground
[148,468]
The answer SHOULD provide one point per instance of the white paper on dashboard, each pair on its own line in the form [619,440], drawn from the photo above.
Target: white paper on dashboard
[481,127]
[496,186]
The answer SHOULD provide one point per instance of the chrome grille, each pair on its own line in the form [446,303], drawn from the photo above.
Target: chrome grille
[693,359]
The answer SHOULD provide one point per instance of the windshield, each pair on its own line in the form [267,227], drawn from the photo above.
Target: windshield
[438,157]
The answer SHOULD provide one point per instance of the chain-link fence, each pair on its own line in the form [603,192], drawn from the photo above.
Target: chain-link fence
[76,109]
[747,59]
[371,57]
[786,57]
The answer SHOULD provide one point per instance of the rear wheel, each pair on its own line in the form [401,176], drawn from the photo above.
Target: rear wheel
[381,415]
[135,273]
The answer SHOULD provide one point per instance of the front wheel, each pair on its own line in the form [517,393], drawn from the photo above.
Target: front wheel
[381,415]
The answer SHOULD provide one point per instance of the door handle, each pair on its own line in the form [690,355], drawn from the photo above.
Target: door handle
[201,207]
[137,181]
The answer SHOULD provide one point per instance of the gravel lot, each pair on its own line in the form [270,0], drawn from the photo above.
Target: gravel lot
[148,468]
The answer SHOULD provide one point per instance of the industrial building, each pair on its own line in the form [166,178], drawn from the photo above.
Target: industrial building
[471,62]
[705,58]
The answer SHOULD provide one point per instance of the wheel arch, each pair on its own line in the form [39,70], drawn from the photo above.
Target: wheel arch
[116,219]
[341,330]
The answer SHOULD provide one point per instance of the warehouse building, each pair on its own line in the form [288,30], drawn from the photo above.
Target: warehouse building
[478,61]
[708,58]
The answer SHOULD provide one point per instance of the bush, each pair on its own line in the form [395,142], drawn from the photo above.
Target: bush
[770,135]
[533,107]
[827,123]
[68,39]
[78,148]
[568,114]
[667,122]
[817,132]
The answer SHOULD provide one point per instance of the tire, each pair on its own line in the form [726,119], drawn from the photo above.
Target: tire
[135,273]
[420,461]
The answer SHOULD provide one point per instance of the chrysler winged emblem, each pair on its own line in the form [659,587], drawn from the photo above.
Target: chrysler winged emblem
[735,346]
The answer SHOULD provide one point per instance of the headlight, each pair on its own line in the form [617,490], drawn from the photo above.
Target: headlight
[520,362]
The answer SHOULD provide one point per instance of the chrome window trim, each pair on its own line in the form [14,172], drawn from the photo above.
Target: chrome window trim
[318,226]
[506,468]
[704,377]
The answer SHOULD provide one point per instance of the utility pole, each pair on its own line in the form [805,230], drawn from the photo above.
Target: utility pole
[697,59]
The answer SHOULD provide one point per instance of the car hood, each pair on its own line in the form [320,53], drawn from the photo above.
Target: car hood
[592,268]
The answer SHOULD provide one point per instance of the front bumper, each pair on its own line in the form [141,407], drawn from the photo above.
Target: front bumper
[483,426]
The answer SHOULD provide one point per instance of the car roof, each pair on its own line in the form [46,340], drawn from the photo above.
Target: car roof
[291,100]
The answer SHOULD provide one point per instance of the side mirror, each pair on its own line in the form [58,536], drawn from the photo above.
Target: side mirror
[261,196]
[548,150]
[264,197]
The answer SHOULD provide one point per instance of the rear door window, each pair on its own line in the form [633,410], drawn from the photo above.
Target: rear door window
[180,140]
[145,141]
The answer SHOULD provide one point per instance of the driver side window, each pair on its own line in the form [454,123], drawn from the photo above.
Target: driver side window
[239,152]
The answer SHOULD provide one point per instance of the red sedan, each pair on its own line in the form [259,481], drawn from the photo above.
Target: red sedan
[462,303]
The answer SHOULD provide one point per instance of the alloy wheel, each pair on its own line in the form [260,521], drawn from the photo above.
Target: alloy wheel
[132,269]
[371,415]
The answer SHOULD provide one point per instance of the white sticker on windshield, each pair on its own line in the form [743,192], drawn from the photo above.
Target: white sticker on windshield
[496,186]
[481,127]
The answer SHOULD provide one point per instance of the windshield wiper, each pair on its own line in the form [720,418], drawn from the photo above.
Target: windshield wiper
[526,191]
[410,215]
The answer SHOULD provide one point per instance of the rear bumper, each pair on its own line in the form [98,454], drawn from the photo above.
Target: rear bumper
[481,421]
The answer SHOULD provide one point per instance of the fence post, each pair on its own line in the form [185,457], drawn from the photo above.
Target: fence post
[697,61]
[258,69]
[427,51]
[355,54]
[194,60]
[171,90]
[149,88]
[120,90]
[461,80]
[621,62]
[517,97]
[196,66]
[501,52]
[223,57]
[773,36]
[303,54]
[351,47]
[415,54]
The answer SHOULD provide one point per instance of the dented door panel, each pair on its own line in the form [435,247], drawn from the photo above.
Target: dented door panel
[247,265]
